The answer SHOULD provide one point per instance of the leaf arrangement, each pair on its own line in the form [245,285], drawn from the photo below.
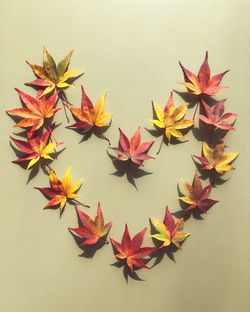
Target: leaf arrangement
[39,148]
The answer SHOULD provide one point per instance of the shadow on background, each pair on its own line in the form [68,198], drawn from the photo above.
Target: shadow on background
[42,164]
[98,132]
[127,168]
[89,251]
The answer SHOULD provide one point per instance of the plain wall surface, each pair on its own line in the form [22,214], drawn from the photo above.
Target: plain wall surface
[130,48]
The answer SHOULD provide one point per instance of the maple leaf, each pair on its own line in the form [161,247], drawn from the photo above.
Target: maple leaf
[196,196]
[215,116]
[215,159]
[169,231]
[35,148]
[36,110]
[60,191]
[89,115]
[171,119]
[133,149]
[51,76]
[203,83]
[130,250]
[91,230]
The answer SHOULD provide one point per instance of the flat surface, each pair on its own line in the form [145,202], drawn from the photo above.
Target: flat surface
[131,48]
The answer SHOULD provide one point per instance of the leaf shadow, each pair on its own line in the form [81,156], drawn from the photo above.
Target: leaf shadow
[127,273]
[193,99]
[129,169]
[89,251]
[56,153]
[98,132]
[154,132]
[33,172]
[189,98]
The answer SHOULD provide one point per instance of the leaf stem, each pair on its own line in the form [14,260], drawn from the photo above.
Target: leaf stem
[195,111]
[103,136]
[158,152]
[63,98]
[80,203]
[50,168]
[65,112]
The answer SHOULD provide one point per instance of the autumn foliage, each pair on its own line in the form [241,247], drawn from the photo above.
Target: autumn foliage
[38,148]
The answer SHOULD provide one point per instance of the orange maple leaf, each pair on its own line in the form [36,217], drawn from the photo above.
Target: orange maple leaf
[60,191]
[35,110]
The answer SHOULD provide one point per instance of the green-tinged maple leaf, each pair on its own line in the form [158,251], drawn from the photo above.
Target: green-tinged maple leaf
[51,76]
[169,231]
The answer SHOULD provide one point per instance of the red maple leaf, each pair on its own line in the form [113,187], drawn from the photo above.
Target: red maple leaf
[133,149]
[131,251]
[91,230]
[215,116]
[196,196]
[35,148]
[35,110]
[203,83]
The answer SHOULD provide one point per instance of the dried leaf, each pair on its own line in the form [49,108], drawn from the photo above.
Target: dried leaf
[169,231]
[171,119]
[35,148]
[215,116]
[51,76]
[215,159]
[130,250]
[35,110]
[89,115]
[196,196]
[133,149]
[203,83]
[91,230]
[60,191]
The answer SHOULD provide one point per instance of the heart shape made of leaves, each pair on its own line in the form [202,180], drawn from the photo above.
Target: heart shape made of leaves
[36,117]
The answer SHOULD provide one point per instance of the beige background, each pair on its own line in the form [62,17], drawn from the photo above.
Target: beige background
[130,48]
